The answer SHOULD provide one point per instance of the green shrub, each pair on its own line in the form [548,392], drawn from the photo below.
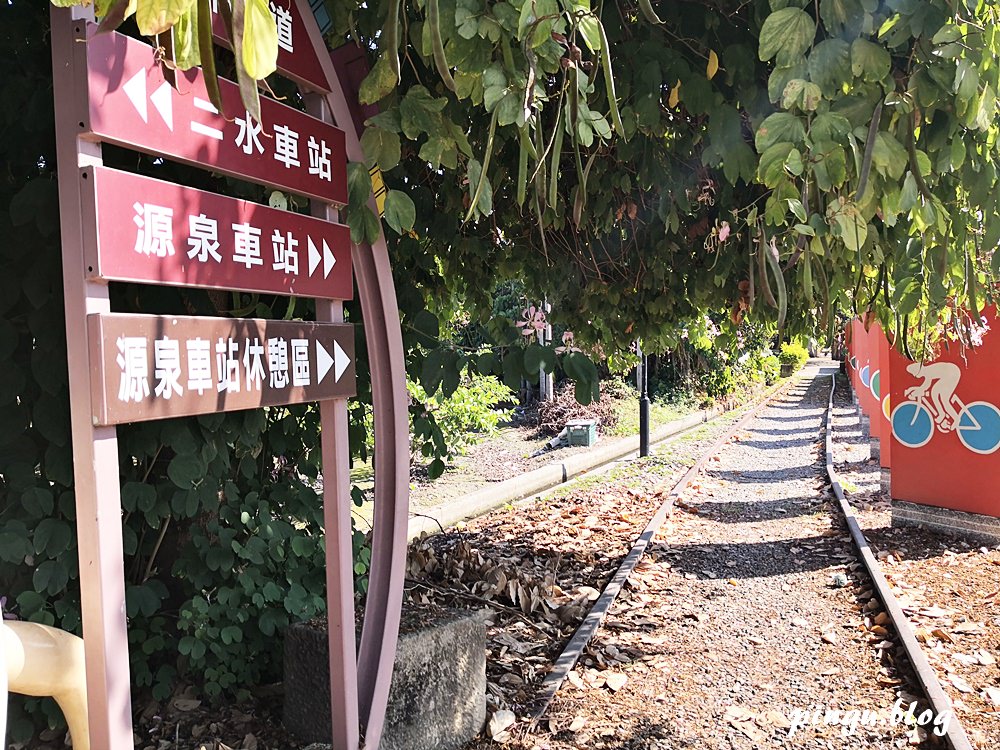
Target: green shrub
[794,354]
[465,417]
[770,368]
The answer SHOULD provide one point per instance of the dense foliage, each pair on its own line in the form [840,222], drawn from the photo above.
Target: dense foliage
[638,166]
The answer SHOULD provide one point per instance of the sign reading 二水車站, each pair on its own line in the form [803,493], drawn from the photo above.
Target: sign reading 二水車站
[131,103]
[156,232]
[158,366]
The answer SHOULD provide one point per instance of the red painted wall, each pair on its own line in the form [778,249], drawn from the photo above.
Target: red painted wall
[954,465]
[885,388]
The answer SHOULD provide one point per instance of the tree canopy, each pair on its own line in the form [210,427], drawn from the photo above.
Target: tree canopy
[640,165]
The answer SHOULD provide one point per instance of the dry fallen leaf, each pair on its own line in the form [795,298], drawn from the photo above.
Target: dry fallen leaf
[615,680]
[577,724]
[500,722]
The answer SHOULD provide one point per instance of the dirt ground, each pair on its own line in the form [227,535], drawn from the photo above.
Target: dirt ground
[949,588]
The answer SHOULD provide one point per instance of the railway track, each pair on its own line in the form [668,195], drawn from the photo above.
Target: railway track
[814,563]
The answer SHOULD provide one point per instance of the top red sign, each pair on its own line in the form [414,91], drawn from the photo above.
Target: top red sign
[130,103]
[297,57]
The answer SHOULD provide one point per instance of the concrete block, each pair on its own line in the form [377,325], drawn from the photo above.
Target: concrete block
[885,480]
[866,426]
[437,699]
[876,448]
[973,527]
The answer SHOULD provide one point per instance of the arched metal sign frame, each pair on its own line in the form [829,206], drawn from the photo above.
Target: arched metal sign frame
[360,677]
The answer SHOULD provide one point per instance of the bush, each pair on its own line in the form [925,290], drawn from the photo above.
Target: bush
[794,354]
[771,369]
[465,417]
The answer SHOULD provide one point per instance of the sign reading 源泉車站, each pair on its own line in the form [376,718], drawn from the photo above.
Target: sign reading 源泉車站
[156,232]
[159,366]
[131,103]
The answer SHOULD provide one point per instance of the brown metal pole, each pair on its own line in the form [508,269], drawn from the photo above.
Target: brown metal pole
[383,335]
[95,450]
[345,723]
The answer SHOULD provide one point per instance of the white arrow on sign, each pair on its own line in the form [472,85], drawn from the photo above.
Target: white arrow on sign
[314,256]
[135,89]
[162,98]
[339,362]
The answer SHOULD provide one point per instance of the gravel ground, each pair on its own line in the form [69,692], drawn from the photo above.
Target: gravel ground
[947,586]
[736,622]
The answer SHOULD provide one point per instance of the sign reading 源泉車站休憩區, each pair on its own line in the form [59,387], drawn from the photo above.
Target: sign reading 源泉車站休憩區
[159,366]
[132,104]
[157,232]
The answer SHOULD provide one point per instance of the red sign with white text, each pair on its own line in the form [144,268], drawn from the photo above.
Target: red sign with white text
[156,232]
[133,105]
[296,56]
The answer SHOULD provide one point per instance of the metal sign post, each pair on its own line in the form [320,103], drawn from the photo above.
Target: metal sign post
[119,226]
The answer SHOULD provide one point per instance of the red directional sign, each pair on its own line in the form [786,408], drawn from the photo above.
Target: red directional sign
[132,104]
[154,232]
[158,366]
[297,57]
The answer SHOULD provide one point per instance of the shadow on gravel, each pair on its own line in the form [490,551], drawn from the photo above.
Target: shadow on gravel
[753,511]
[779,444]
[763,476]
[756,559]
[645,734]
[911,544]
[800,431]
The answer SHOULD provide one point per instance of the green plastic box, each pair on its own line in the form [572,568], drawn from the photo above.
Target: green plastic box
[582,431]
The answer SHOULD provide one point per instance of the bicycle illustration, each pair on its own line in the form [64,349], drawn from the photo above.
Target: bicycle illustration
[933,405]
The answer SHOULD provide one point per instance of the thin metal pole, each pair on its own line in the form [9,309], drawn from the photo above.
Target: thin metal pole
[643,403]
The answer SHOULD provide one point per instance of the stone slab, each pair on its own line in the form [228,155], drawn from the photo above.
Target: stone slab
[437,700]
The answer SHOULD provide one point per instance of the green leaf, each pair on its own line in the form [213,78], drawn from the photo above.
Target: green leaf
[50,577]
[156,16]
[837,15]
[869,60]
[786,33]
[830,66]
[830,126]
[440,152]
[52,536]
[186,471]
[802,94]
[400,213]
[380,81]
[432,371]
[381,148]
[260,40]
[782,75]
[779,127]
[420,112]
[889,156]
[850,224]
[772,163]
[187,53]
[425,323]
[591,32]
[798,209]
[359,184]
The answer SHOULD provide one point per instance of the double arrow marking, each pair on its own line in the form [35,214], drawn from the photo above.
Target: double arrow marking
[315,257]
[162,98]
[339,362]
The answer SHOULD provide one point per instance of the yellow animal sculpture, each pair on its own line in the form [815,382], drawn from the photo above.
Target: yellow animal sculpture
[38,660]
